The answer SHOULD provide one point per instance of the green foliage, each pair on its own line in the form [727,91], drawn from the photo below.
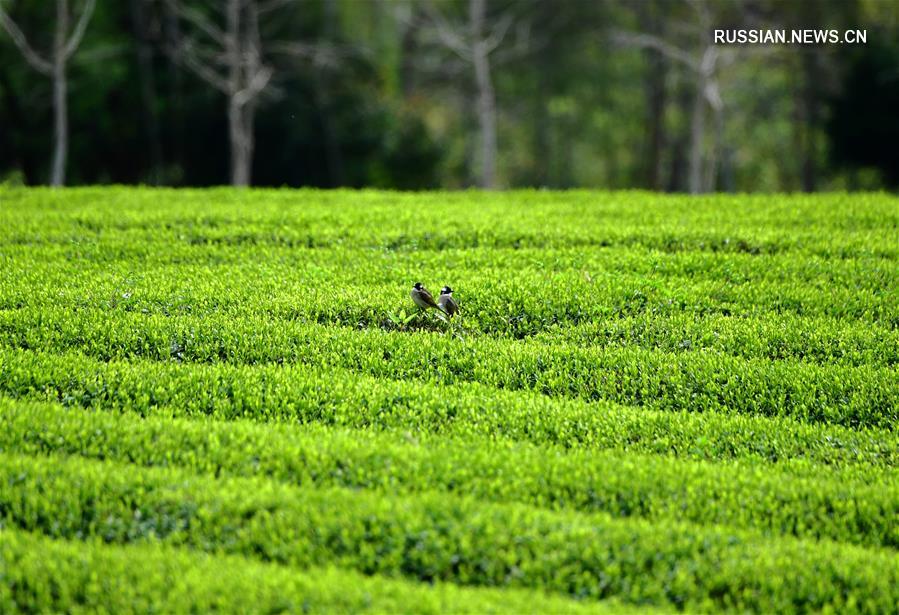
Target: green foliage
[850,396]
[72,576]
[809,501]
[226,398]
[367,93]
[445,538]
[297,394]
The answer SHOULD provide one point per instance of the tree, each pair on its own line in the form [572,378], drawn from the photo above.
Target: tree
[474,42]
[702,62]
[146,86]
[813,71]
[230,60]
[652,22]
[65,44]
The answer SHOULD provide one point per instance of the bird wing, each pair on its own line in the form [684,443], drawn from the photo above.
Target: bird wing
[448,304]
[428,298]
[453,305]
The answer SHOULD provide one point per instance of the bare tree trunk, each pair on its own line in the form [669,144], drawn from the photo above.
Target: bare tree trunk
[175,94]
[697,136]
[147,86]
[333,156]
[656,94]
[703,69]
[713,165]
[60,125]
[249,141]
[240,175]
[542,149]
[677,179]
[487,121]
[811,109]
[240,111]
[64,46]
[706,92]
[656,138]
[237,71]
[486,97]
[60,110]
[475,47]
[798,121]
[543,84]
[241,139]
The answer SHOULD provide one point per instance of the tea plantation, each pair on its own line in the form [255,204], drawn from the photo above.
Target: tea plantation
[226,400]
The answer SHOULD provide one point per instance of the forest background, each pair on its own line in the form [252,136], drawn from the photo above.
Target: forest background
[420,94]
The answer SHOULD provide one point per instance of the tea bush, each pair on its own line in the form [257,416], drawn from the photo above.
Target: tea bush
[225,400]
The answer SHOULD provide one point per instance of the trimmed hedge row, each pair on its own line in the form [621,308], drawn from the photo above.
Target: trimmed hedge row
[440,537]
[497,285]
[753,340]
[680,315]
[336,397]
[834,225]
[843,508]
[102,263]
[698,382]
[42,575]
[778,337]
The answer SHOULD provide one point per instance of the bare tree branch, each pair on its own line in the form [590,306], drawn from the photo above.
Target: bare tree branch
[18,38]
[64,47]
[525,44]
[257,84]
[499,32]
[447,33]
[713,96]
[186,53]
[322,55]
[80,27]
[293,48]
[272,5]
[649,41]
[199,20]
[709,57]
[230,60]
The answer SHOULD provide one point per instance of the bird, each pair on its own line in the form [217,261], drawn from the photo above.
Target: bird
[446,302]
[423,298]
